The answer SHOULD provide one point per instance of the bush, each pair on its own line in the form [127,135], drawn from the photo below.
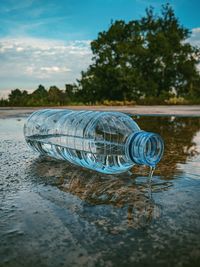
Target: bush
[119,103]
[151,101]
[176,101]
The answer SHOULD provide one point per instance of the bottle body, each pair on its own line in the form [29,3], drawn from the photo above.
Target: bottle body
[102,141]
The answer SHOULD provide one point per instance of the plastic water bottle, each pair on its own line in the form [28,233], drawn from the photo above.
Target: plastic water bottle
[108,142]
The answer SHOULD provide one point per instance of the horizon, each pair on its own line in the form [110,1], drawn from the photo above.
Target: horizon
[49,44]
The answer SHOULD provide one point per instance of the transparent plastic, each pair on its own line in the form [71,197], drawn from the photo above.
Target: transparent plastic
[108,142]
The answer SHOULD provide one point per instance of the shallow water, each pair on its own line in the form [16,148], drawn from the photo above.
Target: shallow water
[56,214]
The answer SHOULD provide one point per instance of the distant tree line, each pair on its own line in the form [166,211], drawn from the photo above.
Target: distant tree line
[41,97]
[148,60]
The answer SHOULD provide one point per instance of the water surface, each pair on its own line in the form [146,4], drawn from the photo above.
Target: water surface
[56,214]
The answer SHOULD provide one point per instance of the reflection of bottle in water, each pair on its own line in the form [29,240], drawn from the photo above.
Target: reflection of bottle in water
[132,198]
[109,142]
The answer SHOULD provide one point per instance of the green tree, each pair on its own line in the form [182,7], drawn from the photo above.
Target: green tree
[4,102]
[39,97]
[40,92]
[141,58]
[71,93]
[15,98]
[56,96]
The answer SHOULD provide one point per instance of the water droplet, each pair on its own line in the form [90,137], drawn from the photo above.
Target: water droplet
[151,171]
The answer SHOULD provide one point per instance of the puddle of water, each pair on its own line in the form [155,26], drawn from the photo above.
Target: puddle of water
[53,213]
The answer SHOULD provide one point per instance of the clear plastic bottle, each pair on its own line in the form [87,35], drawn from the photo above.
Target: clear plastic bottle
[108,142]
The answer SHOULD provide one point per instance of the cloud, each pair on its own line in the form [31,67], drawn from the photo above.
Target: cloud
[54,69]
[27,62]
[195,37]
[45,72]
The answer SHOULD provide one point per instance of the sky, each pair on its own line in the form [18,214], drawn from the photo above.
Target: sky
[48,41]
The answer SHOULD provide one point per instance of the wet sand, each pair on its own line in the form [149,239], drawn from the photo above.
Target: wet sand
[177,110]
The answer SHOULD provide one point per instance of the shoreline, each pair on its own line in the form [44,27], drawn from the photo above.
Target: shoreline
[163,110]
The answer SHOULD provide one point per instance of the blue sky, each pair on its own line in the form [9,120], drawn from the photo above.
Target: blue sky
[47,41]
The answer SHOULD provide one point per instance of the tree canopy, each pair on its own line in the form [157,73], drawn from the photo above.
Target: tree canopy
[148,57]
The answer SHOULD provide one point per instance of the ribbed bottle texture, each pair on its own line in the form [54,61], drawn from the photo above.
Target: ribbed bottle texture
[108,142]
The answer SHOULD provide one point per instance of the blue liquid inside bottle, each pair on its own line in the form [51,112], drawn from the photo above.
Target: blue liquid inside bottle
[108,142]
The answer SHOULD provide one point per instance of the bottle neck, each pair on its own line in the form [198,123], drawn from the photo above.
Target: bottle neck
[145,148]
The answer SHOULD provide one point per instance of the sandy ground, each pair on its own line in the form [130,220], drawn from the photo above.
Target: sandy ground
[142,110]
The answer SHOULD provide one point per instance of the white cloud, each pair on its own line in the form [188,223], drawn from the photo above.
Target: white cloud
[27,62]
[196,30]
[54,69]
[19,49]
[46,72]
[195,37]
